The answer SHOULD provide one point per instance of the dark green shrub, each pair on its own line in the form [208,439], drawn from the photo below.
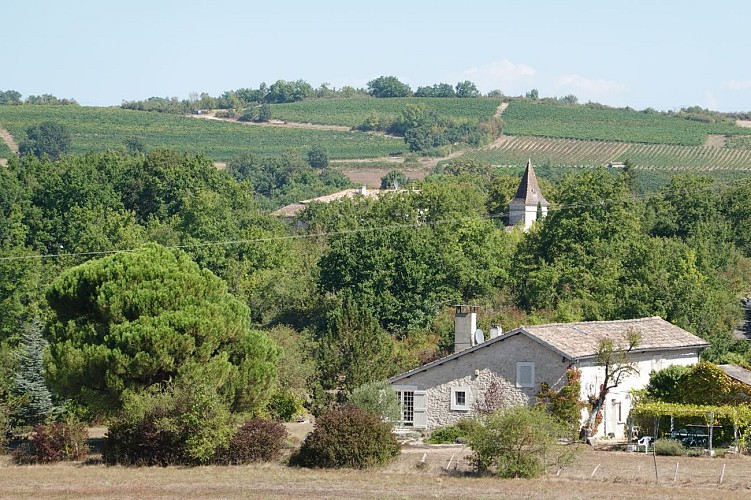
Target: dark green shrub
[54,443]
[183,424]
[256,441]
[249,115]
[669,447]
[348,437]
[451,433]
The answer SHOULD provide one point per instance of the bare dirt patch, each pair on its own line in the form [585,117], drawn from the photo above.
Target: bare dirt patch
[3,161]
[743,123]
[372,177]
[8,139]
[715,141]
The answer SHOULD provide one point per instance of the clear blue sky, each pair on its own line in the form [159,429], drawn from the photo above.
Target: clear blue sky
[663,54]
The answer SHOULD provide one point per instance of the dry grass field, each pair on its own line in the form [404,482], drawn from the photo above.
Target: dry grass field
[596,474]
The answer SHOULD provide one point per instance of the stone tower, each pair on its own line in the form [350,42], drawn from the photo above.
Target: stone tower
[523,207]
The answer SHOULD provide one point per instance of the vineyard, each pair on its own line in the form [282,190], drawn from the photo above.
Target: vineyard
[525,117]
[571,152]
[352,112]
[739,141]
[98,129]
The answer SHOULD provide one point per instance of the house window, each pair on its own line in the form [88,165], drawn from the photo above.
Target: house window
[617,411]
[407,402]
[525,374]
[459,398]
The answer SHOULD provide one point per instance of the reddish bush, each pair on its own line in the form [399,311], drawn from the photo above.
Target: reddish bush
[256,441]
[54,443]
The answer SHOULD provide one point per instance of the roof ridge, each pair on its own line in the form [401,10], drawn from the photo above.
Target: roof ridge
[595,322]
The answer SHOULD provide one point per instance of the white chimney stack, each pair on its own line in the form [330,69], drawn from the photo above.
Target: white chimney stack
[465,326]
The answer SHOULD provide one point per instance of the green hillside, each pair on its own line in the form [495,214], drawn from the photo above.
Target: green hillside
[99,129]
[352,112]
[526,117]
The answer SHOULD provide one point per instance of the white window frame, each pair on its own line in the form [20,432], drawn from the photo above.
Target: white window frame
[456,406]
[519,366]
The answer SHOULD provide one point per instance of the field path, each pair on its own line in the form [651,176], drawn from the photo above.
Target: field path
[501,108]
[8,139]
[274,123]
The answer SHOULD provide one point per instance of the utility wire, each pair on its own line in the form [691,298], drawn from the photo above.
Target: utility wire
[389,227]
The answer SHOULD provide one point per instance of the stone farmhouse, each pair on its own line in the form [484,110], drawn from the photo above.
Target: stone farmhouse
[451,388]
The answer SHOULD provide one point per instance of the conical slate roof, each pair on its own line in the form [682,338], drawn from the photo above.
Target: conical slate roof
[528,192]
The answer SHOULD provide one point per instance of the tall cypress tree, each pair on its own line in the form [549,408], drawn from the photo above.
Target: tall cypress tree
[35,397]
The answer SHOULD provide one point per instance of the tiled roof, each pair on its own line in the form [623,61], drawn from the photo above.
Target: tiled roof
[737,373]
[529,192]
[581,340]
[293,209]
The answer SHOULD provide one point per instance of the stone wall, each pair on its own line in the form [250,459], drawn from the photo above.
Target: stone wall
[475,371]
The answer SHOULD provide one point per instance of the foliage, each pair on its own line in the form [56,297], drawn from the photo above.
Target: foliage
[130,320]
[285,406]
[564,404]
[617,365]
[318,157]
[436,90]
[430,247]
[353,112]
[517,442]
[264,113]
[707,384]
[378,398]
[669,447]
[388,86]
[528,117]
[348,437]
[449,434]
[286,179]
[10,97]
[664,384]
[255,441]
[282,91]
[55,442]
[702,384]
[184,423]
[355,349]
[467,89]
[296,367]
[395,179]
[102,129]
[34,396]
[47,138]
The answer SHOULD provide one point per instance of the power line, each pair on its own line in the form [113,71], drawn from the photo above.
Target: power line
[389,227]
